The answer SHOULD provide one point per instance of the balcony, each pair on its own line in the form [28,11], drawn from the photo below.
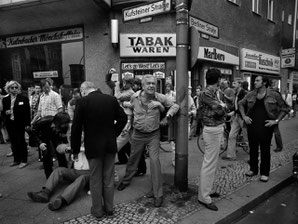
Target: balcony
[121,4]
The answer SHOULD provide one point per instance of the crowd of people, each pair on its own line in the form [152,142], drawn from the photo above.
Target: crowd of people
[92,131]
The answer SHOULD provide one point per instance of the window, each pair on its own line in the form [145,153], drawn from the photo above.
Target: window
[255,6]
[270,10]
[283,15]
[11,2]
[290,19]
[234,1]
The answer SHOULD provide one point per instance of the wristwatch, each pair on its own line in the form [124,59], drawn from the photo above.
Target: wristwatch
[277,121]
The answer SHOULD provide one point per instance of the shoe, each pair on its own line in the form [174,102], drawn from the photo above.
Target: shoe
[210,206]
[109,214]
[158,202]
[264,178]
[122,186]
[243,144]
[140,173]
[14,164]
[116,177]
[9,154]
[214,195]
[250,173]
[277,150]
[22,165]
[228,158]
[55,205]
[41,196]
[149,195]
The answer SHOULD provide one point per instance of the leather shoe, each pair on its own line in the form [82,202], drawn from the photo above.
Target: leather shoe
[122,186]
[158,202]
[55,205]
[109,214]
[277,150]
[210,206]
[214,195]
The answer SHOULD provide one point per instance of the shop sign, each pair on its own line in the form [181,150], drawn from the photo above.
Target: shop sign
[259,62]
[44,38]
[148,45]
[287,57]
[143,66]
[146,10]
[203,26]
[45,74]
[159,75]
[127,75]
[217,55]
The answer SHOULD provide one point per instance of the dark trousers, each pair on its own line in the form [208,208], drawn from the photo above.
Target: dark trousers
[277,136]
[102,184]
[16,133]
[259,139]
[48,159]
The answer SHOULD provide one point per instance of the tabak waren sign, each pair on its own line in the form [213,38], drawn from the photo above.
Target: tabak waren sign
[146,10]
[148,45]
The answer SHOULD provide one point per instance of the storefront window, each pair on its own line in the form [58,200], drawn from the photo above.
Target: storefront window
[29,64]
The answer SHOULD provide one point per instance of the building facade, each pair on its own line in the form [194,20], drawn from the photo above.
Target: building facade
[75,40]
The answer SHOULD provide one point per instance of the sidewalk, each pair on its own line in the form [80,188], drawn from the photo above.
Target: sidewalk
[238,193]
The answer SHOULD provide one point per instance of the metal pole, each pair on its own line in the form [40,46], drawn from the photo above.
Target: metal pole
[182,45]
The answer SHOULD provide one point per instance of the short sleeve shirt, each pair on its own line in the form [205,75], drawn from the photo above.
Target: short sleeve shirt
[49,103]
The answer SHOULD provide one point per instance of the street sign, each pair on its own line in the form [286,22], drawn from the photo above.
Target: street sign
[203,27]
[146,10]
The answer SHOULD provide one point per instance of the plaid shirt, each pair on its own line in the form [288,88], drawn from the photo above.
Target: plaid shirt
[210,106]
[49,104]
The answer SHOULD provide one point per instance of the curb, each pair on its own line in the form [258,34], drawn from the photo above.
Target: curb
[238,204]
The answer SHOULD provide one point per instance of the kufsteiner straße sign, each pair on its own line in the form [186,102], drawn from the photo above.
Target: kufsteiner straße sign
[148,45]
[146,10]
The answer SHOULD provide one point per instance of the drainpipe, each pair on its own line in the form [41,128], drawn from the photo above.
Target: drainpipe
[293,45]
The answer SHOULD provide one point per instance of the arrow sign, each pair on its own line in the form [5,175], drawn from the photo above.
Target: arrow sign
[146,10]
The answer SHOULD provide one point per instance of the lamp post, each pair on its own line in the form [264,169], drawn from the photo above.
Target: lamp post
[182,55]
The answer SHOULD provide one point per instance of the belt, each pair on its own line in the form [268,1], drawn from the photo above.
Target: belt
[142,132]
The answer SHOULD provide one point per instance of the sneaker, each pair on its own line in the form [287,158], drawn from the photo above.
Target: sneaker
[14,164]
[9,154]
[41,196]
[264,178]
[55,205]
[250,173]
[116,177]
[22,165]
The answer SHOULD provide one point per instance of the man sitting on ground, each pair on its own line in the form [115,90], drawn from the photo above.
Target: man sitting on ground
[79,176]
